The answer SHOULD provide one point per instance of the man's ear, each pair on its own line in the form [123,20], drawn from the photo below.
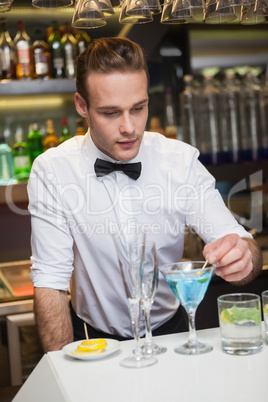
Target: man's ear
[80,104]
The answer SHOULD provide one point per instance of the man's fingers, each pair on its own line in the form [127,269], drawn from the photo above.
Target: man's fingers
[239,252]
[214,252]
[237,270]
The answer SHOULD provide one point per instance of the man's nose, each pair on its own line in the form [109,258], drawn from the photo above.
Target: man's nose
[126,124]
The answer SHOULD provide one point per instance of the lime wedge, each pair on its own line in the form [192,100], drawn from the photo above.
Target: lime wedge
[203,280]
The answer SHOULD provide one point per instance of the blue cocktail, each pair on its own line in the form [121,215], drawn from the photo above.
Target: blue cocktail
[189,283]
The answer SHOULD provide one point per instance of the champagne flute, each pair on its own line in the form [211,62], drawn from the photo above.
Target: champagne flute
[149,284]
[189,281]
[130,265]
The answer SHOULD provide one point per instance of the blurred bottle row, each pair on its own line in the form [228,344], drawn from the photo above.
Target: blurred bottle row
[48,55]
[169,124]
[227,119]
[16,161]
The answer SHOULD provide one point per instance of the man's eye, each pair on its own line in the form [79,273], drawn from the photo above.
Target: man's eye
[108,114]
[137,109]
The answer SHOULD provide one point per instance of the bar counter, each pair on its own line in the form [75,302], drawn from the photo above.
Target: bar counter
[210,377]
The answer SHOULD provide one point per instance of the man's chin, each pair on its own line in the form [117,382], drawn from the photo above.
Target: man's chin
[126,155]
[127,158]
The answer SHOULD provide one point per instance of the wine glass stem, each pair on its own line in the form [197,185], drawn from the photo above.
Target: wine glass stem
[191,316]
[147,314]
[135,318]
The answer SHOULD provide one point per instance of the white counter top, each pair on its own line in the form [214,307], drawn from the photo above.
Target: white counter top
[212,377]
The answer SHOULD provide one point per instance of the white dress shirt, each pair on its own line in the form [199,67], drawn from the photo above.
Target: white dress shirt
[74,213]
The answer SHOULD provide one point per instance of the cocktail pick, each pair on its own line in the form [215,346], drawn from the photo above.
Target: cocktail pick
[199,272]
[204,266]
[85,327]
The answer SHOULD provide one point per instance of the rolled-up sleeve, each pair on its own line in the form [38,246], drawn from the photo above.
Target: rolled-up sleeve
[51,240]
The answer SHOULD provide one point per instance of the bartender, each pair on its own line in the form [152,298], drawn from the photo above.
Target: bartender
[119,178]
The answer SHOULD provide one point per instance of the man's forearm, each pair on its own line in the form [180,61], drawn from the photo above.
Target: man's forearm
[53,318]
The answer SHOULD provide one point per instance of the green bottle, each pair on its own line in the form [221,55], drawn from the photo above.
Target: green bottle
[35,142]
[21,157]
[57,53]
[65,131]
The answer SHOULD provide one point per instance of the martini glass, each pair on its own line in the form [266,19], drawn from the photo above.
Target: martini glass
[189,283]
[149,284]
[130,264]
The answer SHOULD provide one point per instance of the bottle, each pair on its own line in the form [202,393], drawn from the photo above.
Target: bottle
[189,103]
[51,139]
[70,51]
[6,163]
[41,57]
[21,157]
[65,132]
[171,130]
[80,129]
[49,31]
[83,40]
[7,53]
[24,68]
[156,126]
[230,130]
[209,134]
[56,49]
[35,142]
[251,141]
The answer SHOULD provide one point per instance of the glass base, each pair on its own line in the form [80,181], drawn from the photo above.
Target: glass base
[134,362]
[148,349]
[242,348]
[191,348]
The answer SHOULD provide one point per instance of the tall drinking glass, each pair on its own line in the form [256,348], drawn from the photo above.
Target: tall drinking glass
[130,264]
[189,282]
[149,283]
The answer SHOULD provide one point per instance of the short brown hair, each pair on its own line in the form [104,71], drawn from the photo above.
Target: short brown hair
[108,55]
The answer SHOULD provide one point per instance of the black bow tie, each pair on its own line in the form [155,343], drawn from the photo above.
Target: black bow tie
[132,170]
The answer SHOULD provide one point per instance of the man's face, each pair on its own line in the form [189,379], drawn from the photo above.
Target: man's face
[118,112]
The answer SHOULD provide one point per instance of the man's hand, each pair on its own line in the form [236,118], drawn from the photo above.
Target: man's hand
[237,259]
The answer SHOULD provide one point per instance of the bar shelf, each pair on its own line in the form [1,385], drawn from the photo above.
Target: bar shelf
[38,86]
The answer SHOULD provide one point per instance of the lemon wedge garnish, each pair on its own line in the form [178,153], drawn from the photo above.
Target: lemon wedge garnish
[225,316]
[91,346]
[99,341]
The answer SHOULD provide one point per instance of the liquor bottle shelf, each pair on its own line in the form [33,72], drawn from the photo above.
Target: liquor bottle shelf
[38,86]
